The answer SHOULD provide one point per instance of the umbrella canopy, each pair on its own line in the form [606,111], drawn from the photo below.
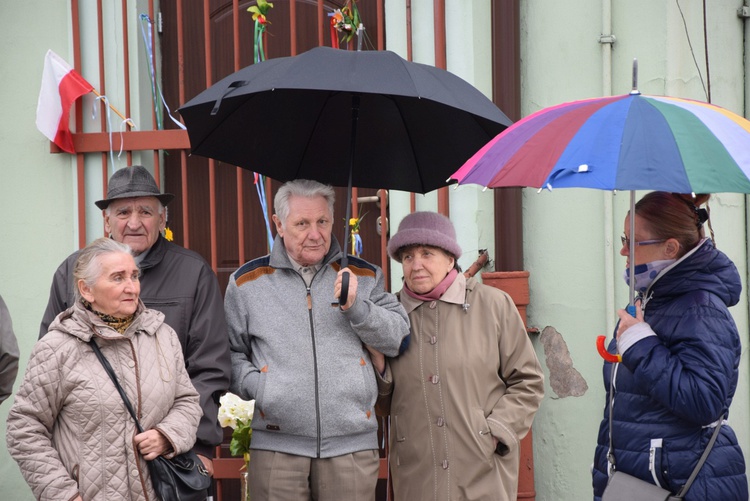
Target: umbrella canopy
[628,142]
[367,119]
[292,117]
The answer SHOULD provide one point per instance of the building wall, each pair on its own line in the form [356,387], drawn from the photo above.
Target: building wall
[37,190]
[571,237]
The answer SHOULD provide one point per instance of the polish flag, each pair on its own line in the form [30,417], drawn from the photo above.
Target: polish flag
[61,86]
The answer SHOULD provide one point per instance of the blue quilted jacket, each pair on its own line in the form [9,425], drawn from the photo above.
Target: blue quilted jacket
[672,386]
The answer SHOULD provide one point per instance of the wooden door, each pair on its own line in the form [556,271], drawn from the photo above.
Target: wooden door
[226,193]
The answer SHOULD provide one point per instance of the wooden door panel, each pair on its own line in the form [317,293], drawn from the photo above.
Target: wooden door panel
[277,44]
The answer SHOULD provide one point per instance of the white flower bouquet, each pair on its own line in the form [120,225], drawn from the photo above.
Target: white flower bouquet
[238,415]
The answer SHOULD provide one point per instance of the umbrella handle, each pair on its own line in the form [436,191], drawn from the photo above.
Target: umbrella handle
[609,357]
[344,289]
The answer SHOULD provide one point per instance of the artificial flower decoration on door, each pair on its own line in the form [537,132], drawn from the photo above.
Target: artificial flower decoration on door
[237,414]
[346,21]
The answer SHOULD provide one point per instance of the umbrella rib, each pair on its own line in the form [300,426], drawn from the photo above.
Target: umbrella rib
[329,95]
[411,142]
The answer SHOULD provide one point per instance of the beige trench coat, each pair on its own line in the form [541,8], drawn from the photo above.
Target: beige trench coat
[469,374]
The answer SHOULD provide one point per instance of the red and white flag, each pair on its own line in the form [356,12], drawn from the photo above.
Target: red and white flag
[61,86]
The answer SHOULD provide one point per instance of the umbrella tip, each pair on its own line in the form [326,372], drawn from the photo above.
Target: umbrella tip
[635,90]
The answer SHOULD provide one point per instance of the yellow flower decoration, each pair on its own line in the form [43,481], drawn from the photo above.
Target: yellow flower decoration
[260,10]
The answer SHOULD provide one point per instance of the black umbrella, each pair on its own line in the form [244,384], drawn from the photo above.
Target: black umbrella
[369,119]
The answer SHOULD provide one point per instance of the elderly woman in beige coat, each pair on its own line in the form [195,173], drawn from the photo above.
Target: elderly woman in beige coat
[464,392]
[68,429]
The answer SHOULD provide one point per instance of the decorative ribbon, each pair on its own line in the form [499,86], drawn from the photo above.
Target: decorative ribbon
[356,239]
[148,43]
[260,53]
[334,35]
[260,188]
[356,244]
[109,125]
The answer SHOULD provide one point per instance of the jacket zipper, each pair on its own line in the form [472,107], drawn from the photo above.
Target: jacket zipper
[315,367]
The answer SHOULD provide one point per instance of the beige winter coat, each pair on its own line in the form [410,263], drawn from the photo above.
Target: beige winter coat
[68,428]
[469,374]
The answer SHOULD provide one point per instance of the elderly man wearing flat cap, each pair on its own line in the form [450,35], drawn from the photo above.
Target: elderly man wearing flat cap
[176,281]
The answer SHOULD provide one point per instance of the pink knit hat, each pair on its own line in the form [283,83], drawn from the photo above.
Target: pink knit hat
[424,228]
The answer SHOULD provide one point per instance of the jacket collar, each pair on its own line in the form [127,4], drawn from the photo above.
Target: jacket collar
[155,253]
[455,294]
[79,322]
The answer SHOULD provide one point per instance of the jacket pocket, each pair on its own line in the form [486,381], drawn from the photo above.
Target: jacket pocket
[174,315]
[482,434]
[657,463]
[404,452]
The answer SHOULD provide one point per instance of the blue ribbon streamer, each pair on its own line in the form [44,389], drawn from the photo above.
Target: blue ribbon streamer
[148,43]
[357,244]
[260,188]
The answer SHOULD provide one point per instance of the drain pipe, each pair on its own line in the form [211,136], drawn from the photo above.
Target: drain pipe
[744,14]
[606,40]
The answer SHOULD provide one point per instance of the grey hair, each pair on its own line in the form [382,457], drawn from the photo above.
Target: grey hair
[88,265]
[301,188]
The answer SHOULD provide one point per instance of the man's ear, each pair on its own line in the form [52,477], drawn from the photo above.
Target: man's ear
[279,228]
[162,220]
[107,226]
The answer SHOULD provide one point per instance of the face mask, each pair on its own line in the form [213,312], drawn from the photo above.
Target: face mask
[646,273]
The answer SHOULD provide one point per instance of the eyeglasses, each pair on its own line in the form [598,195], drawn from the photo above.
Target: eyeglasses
[626,241]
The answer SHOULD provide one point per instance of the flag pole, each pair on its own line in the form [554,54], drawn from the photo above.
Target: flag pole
[112,108]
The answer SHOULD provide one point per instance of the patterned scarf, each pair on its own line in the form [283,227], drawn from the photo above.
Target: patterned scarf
[118,324]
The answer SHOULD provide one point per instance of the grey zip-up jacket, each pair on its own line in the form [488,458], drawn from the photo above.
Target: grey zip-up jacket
[179,283]
[303,359]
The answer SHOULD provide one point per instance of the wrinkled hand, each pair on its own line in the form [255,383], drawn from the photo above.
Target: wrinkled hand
[377,359]
[627,320]
[352,295]
[208,463]
[151,444]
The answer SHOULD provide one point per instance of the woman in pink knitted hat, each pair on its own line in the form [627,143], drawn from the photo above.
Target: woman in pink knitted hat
[464,392]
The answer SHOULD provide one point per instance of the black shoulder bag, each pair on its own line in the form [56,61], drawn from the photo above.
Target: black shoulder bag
[182,478]
[624,487]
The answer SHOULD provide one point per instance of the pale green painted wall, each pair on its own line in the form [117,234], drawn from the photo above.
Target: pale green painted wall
[37,191]
[571,240]
[569,234]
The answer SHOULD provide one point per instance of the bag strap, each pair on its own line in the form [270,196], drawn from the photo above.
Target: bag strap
[703,458]
[113,377]
[611,450]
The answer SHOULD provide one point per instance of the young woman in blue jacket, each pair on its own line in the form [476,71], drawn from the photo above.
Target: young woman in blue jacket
[680,357]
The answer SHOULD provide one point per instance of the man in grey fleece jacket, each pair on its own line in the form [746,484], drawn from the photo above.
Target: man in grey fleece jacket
[305,361]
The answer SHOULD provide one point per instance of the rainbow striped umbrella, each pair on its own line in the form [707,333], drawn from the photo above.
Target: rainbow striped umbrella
[628,142]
